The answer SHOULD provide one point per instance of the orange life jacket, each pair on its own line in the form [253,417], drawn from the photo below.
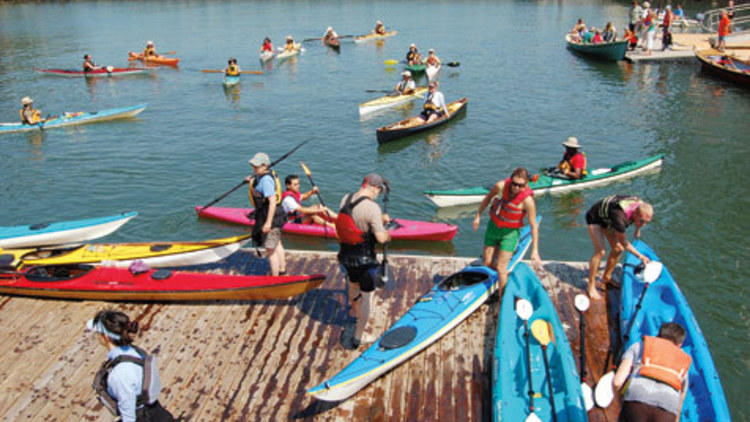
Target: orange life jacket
[506,211]
[664,361]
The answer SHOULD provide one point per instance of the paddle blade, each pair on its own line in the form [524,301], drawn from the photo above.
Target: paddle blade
[588,396]
[524,309]
[604,392]
[532,418]
[652,271]
[305,169]
[453,64]
[541,331]
[391,62]
[582,302]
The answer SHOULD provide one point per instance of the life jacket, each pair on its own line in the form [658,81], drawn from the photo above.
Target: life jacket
[356,246]
[233,70]
[506,212]
[149,51]
[664,361]
[261,204]
[566,164]
[36,116]
[267,46]
[297,197]
[88,68]
[410,55]
[431,60]
[626,203]
[428,104]
[402,85]
[151,386]
[380,30]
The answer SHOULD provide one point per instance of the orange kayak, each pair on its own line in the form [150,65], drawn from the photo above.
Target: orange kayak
[170,61]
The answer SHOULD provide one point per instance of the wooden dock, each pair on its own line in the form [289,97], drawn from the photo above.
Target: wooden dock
[254,361]
[683,46]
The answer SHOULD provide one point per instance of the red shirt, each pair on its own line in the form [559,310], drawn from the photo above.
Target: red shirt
[724,26]
[267,46]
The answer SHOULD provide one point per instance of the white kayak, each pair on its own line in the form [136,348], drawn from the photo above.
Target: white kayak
[390,100]
[432,72]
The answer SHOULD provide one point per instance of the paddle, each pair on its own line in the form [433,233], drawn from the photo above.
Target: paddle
[524,311]
[171,53]
[320,38]
[382,274]
[317,193]
[244,72]
[391,62]
[582,303]
[542,331]
[384,91]
[604,391]
[225,194]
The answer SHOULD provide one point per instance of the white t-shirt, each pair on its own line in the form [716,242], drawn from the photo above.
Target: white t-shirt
[409,85]
[438,100]
[289,204]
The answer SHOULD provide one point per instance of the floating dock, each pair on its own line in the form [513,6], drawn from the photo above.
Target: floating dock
[254,361]
[683,46]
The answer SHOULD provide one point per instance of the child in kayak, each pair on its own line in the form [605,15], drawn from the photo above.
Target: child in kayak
[232,69]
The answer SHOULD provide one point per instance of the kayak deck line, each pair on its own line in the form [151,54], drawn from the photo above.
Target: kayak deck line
[244,359]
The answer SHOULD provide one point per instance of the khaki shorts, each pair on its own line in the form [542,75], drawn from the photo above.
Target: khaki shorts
[272,239]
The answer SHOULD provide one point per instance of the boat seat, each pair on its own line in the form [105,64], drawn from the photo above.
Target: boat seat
[38,226]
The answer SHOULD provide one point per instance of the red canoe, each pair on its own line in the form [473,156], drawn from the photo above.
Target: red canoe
[103,72]
[404,230]
[88,282]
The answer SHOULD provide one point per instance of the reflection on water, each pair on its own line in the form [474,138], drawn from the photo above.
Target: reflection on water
[232,93]
[567,209]
[35,139]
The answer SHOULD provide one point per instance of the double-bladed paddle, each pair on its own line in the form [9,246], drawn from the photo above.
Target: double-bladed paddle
[244,72]
[391,62]
[542,331]
[582,303]
[239,185]
[524,309]
[604,391]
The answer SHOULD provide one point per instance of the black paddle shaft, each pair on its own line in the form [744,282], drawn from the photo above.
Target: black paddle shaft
[385,245]
[549,383]
[528,365]
[582,354]
[626,336]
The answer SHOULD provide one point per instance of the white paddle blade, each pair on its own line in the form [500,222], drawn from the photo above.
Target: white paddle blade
[588,396]
[652,271]
[582,302]
[604,392]
[533,418]
[524,309]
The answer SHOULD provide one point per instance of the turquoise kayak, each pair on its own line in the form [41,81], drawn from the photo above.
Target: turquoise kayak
[510,382]
[553,185]
[230,81]
[47,234]
[664,302]
[437,312]
[75,118]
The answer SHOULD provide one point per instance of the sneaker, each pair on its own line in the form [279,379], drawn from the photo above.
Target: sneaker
[347,335]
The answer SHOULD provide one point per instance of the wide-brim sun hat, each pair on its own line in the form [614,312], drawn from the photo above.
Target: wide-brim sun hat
[26,100]
[571,142]
[406,73]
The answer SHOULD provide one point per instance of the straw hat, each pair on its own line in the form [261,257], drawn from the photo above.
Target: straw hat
[26,100]
[571,142]
[406,73]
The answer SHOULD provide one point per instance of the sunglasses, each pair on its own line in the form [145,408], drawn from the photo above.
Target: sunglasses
[517,185]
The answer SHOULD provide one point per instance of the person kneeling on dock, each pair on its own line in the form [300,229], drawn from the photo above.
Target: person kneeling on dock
[506,220]
[434,104]
[359,225]
[608,219]
[659,379]
[128,382]
[291,202]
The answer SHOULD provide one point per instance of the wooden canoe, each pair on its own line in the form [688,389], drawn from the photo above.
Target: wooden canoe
[725,66]
[416,124]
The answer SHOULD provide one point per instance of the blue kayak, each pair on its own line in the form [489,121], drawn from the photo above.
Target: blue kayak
[46,234]
[664,302]
[437,312]
[230,80]
[75,118]
[510,382]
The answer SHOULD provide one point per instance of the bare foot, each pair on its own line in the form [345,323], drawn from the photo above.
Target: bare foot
[593,294]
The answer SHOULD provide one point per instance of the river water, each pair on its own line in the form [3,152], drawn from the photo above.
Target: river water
[526,92]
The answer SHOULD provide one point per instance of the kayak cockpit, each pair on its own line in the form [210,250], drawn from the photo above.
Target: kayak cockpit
[463,279]
[51,273]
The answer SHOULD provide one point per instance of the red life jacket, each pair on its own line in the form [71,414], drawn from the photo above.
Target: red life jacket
[506,211]
[354,242]
[297,197]
[664,361]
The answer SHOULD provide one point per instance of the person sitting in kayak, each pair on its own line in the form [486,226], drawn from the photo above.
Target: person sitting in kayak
[379,28]
[29,115]
[267,46]
[432,59]
[290,46]
[434,104]
[657,368]
[573,163]
[608,219]
[406,86]
[506,219]
[330,36]
[150,50]
[232,69]
[88,64]
[413,56]
[291,202]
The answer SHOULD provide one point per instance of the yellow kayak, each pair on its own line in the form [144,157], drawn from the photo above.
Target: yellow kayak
[390,101]
[370,37]
[153,254]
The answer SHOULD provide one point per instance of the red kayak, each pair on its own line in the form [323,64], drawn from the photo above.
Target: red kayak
[402,230]
[88,282]
[103,72]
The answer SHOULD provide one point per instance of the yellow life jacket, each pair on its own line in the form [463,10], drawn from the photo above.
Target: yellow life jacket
[429,105]
[277,184]
[36,116]
[664,361]
[233,70]
[149,51]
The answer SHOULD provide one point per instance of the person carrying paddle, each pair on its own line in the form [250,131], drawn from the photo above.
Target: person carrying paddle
[29,115]
[406,85]
[434,104]
[265,195]
[232,69]
[150,50]
[119,383]
[291,202]
[379,28]
[359,226]
[658,371]
[608,219]
[413,56]
[88,63]
[573,163]
[516,200]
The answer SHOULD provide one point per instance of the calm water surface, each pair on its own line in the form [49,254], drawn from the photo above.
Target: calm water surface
[526,92]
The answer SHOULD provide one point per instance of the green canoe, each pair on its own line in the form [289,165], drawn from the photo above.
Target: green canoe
[546,184]
[609,51]
[415,68]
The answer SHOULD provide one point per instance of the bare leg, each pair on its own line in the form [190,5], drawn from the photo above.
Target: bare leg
[487,254]
[596,235]
[276,259]
[322,221]
[363,314]
[614,257]
[502,269]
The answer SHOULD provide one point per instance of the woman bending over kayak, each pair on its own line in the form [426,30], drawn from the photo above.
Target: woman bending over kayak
[290,46]
[379,28]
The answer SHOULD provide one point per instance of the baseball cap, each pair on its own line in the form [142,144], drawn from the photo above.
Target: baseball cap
[376,180]
[259,159]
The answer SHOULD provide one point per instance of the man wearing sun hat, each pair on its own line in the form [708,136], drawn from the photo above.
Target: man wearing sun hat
[573,163]
[150,50]
[406,85]
[29,115]
[359,226]
[265,195]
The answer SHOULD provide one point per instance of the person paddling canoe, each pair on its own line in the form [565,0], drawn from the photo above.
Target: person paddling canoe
[434,104]
[573,163]
[88,64]
[516,200]
[331,37]
[232,69]
[30,115]
[413,56]
[150,50]
[406,85]
[608,219]
[291,202]
[379,28]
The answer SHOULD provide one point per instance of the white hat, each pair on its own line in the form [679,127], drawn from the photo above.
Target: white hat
[330,28]
[669,7]
[96,325]
[289,37]
[149,43]
[259,159]
[26,100]
[413,45]
[646,4]
[571,142]
[431,50]
[406,73]
[378,23]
